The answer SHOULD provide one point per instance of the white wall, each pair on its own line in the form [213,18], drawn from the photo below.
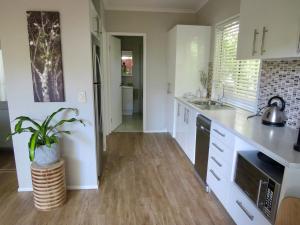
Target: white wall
[156,26]
[78,149]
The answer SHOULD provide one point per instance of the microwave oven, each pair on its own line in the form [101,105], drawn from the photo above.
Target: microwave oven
[260,178]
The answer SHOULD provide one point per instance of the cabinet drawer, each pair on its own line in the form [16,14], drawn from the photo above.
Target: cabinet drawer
[221,149]
[223,135]
[218,181]
[242,210]
[218,164]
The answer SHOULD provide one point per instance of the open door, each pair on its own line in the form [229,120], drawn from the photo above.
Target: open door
[115,82]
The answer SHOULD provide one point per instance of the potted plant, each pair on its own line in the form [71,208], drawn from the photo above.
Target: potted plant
[44,139]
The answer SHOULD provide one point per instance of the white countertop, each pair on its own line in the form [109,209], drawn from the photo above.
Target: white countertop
[276,142]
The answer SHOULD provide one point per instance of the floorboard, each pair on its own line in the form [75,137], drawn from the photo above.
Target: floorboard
[147,180]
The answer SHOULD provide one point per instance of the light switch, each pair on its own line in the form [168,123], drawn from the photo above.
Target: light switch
[82,97]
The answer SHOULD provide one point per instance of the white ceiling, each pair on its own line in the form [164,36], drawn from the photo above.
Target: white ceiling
[180,6]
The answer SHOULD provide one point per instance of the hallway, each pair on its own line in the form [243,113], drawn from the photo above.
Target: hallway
[146,181]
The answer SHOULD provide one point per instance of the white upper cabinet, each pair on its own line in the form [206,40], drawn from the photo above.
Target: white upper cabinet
[192,56]
[188,55]
[269,29]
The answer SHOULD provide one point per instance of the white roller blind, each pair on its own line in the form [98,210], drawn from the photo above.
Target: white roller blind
[239,78]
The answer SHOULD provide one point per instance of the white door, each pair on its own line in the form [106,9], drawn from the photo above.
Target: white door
[115,82]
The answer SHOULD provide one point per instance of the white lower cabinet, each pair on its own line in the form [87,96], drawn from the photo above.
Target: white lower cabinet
[217,178]
[219,169]
[222,153]
[242,210]
[185,127]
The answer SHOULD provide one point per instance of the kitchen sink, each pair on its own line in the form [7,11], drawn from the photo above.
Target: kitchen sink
[210,104]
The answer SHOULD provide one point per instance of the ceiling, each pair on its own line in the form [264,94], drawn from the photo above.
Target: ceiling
[179,6]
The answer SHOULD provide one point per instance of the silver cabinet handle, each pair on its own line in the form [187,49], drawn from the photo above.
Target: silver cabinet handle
[240,204]
[217,147]
[178,110]
[298,50]
[214,174]
[184,117]
[262,48]
[216,161]
[219,133]
[254,42]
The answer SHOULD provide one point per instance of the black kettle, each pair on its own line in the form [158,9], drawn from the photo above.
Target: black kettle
[274,115]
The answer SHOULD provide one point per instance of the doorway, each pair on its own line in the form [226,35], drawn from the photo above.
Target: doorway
[127,82]
[7,159]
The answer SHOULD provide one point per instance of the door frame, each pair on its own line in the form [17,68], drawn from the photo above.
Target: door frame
[144,36]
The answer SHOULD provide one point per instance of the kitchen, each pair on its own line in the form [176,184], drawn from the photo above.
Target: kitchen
[238,123]
[218,137]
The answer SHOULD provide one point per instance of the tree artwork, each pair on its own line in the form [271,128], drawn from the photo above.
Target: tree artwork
[46,56]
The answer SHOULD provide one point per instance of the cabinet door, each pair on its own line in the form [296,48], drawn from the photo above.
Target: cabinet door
[180,118]
[251,18]
[192,56]
[282,29]
[171,107]
[191,133]
[277,24]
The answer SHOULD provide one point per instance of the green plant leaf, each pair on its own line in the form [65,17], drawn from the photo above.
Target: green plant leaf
[26,118]
[65,121]
[32,145]
[49,118]
[21,130]
[48,141]
[54,139]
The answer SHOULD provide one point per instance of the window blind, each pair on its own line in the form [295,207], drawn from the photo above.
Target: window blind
[234,80]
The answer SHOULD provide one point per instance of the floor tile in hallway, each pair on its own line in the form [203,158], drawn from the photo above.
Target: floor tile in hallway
[132,123]
[147,180]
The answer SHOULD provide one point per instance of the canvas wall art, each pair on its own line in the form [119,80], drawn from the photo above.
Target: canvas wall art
[46,56]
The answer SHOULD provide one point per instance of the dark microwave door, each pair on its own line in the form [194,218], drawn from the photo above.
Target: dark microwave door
[248,178]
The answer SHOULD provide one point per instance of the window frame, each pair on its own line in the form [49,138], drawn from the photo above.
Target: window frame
[241,103]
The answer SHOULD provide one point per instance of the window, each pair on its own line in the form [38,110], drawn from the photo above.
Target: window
[2,87]
[234,80]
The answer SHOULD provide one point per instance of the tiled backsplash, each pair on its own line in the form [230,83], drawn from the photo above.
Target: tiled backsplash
[282,77]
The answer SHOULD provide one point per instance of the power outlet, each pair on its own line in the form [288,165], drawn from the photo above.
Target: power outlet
[82,97]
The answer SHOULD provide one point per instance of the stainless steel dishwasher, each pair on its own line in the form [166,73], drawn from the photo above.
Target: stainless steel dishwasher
[202,147]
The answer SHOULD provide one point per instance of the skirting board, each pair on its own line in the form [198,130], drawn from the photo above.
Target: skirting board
[156,131]
[71,187]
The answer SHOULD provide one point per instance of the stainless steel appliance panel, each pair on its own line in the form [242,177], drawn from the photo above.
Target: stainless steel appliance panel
[202,146]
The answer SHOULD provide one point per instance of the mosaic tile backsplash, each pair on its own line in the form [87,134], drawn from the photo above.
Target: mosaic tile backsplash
[282,77]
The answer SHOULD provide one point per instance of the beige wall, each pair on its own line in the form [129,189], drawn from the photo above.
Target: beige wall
[156,26]
[215,11]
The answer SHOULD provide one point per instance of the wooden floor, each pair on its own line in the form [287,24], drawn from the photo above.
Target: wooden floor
[146,181]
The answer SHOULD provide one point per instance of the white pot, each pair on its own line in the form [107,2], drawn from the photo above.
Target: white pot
[45,156]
